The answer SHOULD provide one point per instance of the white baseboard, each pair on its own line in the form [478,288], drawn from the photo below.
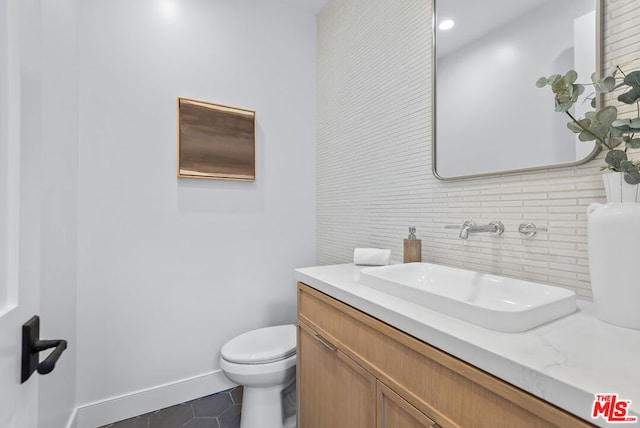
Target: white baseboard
[73,420]
[126,406]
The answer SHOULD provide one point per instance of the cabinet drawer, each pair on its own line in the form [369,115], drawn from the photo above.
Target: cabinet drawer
[446,389]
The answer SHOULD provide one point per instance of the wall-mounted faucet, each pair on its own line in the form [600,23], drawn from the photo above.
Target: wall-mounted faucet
[494,228]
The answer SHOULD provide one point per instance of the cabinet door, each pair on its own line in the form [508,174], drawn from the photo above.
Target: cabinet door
[333,391]
[395,412]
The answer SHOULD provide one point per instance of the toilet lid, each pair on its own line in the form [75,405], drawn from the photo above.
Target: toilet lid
[263,345]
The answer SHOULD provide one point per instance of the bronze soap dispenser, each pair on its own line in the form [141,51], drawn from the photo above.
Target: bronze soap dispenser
[412,247]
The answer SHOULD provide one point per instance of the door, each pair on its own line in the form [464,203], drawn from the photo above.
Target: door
[38,203]
[333,390]
[19,212]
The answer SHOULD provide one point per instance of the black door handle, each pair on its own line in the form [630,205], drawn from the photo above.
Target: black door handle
[32,345]
[49,363]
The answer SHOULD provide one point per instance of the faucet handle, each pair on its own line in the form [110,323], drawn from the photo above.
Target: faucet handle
[529,229]
[499,228]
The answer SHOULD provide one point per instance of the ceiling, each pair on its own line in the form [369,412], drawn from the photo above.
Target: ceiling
[475,18]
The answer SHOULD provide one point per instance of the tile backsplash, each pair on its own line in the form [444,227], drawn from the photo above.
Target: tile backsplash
[374,176]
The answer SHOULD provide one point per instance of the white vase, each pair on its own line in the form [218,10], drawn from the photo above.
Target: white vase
[618,190]
[613,235]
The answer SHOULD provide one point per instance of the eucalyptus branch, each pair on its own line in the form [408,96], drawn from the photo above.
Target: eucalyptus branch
[602,125]
[597,137]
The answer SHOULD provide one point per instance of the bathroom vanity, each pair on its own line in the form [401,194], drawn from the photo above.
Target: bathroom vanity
[367,359]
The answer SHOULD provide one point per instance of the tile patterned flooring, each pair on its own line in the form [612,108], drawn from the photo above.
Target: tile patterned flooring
[221,410]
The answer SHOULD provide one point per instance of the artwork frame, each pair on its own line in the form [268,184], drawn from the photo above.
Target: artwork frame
[215,141]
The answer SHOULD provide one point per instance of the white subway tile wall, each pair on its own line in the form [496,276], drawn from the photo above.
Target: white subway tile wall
[374,176]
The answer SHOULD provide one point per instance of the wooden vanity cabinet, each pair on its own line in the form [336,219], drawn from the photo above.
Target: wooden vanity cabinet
[338,392]
[355,371]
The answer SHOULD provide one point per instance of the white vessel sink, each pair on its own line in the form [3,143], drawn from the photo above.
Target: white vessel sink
[490,301]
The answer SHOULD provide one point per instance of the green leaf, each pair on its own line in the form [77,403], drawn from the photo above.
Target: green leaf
[565,105]
[634,143]
[571,76]
[617,131]
[542,82]
[605,84]
[594,132]
[607,115]
[632,79]
[579,89]
[615,141]
[631,172]
[599,129]
[631,96]
[554,78]
[635,123]
[621,122]
[627,166]
[626,125]
[614,157]
[632,179]
[575,127]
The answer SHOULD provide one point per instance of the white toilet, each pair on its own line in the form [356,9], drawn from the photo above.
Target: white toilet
[263,361]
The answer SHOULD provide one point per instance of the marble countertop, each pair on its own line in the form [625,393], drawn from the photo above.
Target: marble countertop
[566,362]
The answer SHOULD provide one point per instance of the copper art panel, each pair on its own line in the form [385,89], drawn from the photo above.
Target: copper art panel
[215,141]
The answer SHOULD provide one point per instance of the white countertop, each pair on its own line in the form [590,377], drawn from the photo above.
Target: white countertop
[565,362]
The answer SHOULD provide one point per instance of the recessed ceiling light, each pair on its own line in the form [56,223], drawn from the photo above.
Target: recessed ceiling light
[447,24]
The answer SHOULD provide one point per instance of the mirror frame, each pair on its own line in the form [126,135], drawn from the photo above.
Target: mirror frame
[599,4]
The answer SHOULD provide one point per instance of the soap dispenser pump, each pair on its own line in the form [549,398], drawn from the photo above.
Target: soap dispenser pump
[412,247]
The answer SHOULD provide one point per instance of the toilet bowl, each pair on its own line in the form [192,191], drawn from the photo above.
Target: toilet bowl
[263,361]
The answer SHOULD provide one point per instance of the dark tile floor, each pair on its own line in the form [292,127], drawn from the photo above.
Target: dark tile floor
[221,410]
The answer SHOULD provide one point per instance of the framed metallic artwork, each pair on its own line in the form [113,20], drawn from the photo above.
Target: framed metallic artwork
[215,141]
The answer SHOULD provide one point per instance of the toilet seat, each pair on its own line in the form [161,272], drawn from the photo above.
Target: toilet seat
[264,345]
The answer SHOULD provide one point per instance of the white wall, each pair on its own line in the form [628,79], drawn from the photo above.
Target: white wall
[496,69]
[374,154]
[169,269]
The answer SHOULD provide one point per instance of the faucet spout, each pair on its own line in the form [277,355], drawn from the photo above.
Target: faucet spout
[494,228]
[466,229]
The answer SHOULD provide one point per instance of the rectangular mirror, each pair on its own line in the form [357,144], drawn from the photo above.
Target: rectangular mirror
[489,117]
